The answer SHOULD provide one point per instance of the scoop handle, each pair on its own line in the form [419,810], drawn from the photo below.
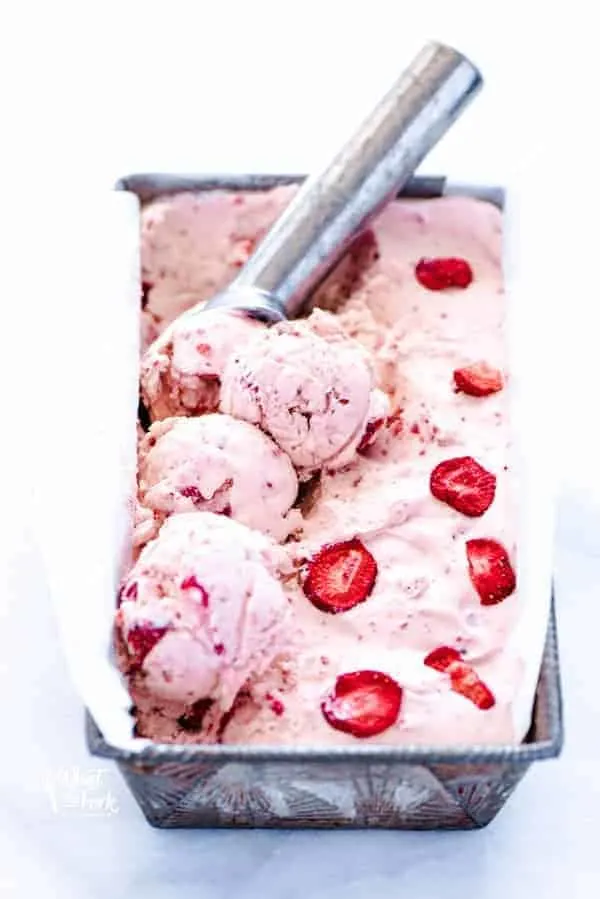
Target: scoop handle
[333,206]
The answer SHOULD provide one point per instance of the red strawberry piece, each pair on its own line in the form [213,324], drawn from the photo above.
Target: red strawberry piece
[363,703]
[191,582]
[340,576]
[442,273]
[465,681]
[478,379]
[464,484]
[442,658]
[370,436]
[277,707]
[141,639]
[490,570]
[191,492]
[463,677]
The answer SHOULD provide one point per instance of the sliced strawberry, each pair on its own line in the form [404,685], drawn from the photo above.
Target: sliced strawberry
[478,379]
[463,677]
[442,273]
[141,639]
[363,703]
[464,484]
[374,425]
[442,658]
[340,576]
[490,570]
[465,681]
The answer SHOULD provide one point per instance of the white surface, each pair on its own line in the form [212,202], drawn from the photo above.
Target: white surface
[94,105]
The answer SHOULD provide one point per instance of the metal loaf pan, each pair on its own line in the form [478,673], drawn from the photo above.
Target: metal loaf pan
[404,787]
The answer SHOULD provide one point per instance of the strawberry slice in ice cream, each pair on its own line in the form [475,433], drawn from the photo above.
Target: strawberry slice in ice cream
[463,677]
[478,379]
[340,576]
[443,273]
[207,613]
[464,484]
[181,371]
[363,703]
[216,463]
[490,570]
[312,395]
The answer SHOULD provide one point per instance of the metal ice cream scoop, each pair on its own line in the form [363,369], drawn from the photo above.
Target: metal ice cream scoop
[333,206]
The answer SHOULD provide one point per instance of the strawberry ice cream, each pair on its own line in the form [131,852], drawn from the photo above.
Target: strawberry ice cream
[406,594]
[181,371]
[312,395]
[193,245]
[401,583]
[215,463]
[201,611]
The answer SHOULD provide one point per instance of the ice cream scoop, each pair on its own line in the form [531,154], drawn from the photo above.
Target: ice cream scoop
[311,395]
[201,611]
[334,205]
[180,373]
[215,463]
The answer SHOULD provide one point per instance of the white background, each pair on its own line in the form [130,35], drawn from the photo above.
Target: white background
[92,91]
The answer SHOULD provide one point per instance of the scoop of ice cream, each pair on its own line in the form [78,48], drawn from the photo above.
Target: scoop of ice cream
[202,610]
[181,372]
[216,463]
[310,394]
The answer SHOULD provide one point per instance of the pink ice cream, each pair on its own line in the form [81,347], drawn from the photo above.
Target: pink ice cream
[311,394]
[201,611]
[193,245]
[403,587]
[181,372]
[216,463]
[422,597]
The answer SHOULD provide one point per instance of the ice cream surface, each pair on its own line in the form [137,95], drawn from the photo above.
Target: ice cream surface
[201,611]
[311,394]
[216,463]
[402,593]
[193,244]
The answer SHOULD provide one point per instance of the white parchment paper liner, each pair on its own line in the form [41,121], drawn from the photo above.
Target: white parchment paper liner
[88,470]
